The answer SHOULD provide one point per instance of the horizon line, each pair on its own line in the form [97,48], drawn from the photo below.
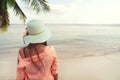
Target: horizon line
[85,24]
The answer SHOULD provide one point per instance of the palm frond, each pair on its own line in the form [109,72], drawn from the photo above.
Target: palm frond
[13,4]
[19,12]
[45,1]
[45,7]
[10,3]
[4,17]
[4,21]
[35,5]
[38,5]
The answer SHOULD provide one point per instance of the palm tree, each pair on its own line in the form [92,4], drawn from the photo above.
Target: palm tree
[36,5]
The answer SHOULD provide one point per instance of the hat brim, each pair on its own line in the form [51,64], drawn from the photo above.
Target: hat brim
[39,38]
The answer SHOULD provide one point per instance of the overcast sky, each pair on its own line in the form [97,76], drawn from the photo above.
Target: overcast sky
[75,11]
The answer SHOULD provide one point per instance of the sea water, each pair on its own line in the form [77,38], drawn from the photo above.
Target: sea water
[68,39]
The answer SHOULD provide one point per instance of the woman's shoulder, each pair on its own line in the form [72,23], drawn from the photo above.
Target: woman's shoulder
[21,49]
[52,50]
[21,52]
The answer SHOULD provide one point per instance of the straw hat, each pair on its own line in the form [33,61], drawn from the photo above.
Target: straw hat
[37,32]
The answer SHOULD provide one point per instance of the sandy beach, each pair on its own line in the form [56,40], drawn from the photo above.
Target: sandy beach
[103,67]
[85,53]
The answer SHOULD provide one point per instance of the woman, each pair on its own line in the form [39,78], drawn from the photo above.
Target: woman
[37,61]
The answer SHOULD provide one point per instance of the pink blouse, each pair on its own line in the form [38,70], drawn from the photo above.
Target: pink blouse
[48,66]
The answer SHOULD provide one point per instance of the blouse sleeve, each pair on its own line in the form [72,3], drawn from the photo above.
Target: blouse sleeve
[54,68]
[20,71]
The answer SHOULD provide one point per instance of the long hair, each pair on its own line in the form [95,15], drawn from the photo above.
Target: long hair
[32,46]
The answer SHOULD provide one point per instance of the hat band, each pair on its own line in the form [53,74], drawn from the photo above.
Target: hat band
[37,33]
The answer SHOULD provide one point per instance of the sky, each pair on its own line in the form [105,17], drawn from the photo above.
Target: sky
[74,12]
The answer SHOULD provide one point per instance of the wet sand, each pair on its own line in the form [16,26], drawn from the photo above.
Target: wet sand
[104,67]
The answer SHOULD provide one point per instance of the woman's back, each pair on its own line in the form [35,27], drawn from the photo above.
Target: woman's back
[45,61]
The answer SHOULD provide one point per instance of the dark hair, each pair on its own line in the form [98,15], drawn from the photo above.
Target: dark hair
[32,46]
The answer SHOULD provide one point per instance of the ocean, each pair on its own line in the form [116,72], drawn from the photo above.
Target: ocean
[68,39]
